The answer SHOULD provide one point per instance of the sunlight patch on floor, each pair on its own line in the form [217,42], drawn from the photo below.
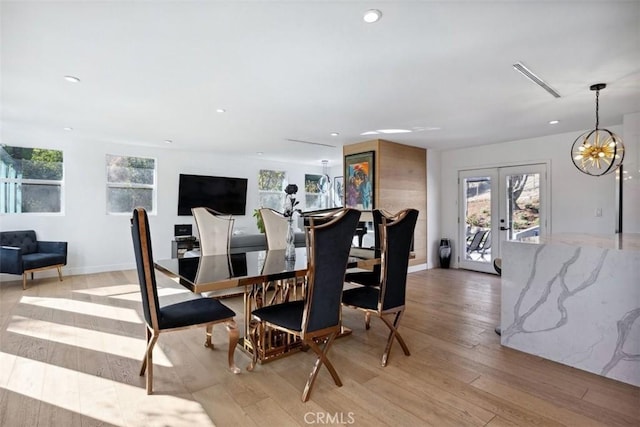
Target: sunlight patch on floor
[101,399]
[119,345]
[88,308]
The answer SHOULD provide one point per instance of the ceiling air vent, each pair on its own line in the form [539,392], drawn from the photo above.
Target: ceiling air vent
[520,67]
[310,142]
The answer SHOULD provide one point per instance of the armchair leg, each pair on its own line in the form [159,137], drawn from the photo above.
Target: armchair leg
[59,273]
[24,281]
[322,359]
[234,337]
[393,328]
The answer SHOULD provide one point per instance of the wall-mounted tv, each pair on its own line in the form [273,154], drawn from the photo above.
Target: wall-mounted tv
[225,195]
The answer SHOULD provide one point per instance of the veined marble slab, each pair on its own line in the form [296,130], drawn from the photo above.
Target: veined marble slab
[574,304]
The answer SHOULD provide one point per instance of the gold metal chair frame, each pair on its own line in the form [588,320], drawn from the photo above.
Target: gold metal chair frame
[379,312]
[153,331]
[319,341]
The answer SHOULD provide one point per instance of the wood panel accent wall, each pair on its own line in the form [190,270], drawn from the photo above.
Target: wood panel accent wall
[400,182]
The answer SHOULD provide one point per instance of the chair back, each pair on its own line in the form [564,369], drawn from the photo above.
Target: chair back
[477,239]
[396,235]
[275,228]
[328,255]
[144,261]
[214,229]
[378,214]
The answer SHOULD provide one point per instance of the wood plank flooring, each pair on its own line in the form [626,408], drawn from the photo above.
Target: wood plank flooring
[70,354]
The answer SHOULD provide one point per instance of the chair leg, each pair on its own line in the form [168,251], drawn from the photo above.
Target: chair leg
[393,328]
[24,281]
[322,359]
[208,343]
[367,320]
[147,362]
[254,326]
[234,337]
[59,273]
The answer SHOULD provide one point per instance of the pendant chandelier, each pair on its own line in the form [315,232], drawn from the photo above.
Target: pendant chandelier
[599,151]
[324,184]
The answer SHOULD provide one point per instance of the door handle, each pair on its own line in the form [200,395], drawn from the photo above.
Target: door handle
[505,228]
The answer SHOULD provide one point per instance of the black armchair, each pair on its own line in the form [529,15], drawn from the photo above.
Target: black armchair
[195,311]
[316,319]
[22,253]
[396,235]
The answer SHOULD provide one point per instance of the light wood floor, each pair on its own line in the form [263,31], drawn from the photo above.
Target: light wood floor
[70,354]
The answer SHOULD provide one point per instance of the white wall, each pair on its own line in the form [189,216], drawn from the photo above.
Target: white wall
[434,159]
[100,242]
[631,174]
[574,196]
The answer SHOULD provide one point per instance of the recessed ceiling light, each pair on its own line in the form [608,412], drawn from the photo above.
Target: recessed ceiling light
[334,134]
[168,141]
[371,16]
[72,79]
[554,122]
[393,130]
[424,128]
[221,110]
[68,129]
[259,153]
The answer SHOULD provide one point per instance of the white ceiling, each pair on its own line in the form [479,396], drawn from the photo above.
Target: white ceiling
[153,71]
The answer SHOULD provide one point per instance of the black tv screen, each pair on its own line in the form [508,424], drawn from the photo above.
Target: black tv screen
[225,195]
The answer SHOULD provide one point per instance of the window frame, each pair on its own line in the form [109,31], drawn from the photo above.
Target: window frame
[280,193]
[129,185]
[34,181]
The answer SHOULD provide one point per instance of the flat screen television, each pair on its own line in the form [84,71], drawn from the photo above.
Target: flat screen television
[225,195]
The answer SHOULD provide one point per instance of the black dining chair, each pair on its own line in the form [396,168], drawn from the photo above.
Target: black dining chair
[370,277]
[396,235]
[317,318]
[194,311]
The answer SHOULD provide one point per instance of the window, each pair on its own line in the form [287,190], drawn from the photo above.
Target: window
[316,192]
[131,182]
[271,189]
[30,180]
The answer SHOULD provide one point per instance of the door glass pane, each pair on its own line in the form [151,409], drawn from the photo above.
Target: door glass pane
[477,192]
[523,205]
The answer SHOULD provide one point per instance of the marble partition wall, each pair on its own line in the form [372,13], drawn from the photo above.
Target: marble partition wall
[575,300]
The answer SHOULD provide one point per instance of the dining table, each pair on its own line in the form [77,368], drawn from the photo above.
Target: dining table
[262,277]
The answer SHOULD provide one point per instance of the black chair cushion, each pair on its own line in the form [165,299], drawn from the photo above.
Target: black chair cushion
[39,260]
[24,239]
[193,312]
[364,297]
[366,278]
[287,315]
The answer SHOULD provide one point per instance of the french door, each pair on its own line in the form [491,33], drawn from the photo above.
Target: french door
[498,204]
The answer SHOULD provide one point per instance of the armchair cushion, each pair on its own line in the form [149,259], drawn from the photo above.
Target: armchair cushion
[24,240]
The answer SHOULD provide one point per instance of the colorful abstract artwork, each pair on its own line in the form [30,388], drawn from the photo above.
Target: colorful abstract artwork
[359,180]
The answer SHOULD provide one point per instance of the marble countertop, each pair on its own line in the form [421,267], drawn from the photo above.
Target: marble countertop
[624,241]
